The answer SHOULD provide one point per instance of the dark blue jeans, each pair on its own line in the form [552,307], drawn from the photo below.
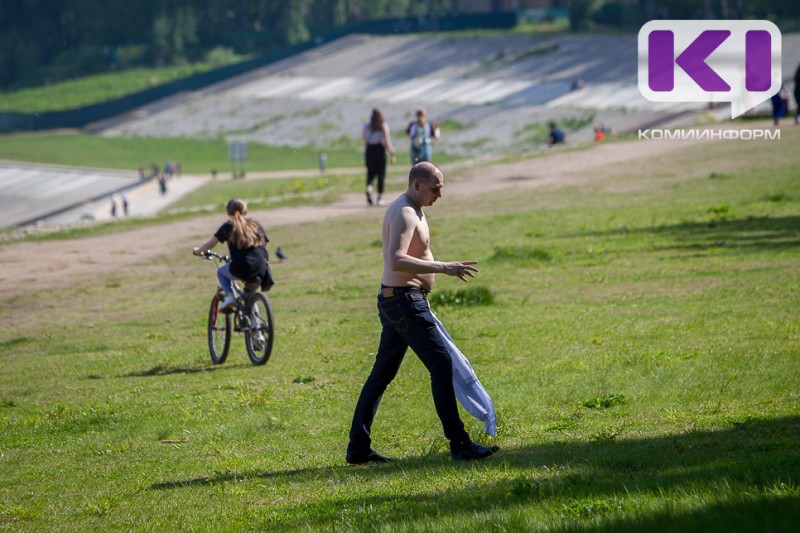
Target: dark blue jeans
[407,322]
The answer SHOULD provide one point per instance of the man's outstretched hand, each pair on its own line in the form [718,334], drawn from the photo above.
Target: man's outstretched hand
[461,269]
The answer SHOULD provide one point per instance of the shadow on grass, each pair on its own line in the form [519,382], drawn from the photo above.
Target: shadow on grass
[758,460]
[771,233]
[161,370]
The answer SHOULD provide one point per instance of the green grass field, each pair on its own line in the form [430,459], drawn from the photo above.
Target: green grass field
[261,193]
[198,156]
[96,89]
[641,347]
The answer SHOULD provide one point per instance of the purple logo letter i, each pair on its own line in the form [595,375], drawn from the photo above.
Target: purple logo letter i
[758,50]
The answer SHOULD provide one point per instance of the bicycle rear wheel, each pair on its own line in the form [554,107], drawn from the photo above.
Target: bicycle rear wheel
[219,332]
[258,340]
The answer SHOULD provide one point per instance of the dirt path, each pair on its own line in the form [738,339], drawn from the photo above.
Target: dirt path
[32,266]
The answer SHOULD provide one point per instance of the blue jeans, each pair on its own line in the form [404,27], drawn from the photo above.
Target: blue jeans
[407,322]
[226,279]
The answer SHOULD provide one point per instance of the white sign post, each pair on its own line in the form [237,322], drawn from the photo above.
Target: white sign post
[237,154]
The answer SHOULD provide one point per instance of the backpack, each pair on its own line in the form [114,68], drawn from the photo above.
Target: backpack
[420,137]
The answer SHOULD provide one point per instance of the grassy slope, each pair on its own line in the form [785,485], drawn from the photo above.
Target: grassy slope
[641,351]
[197,156]
[99,88]
[91,90]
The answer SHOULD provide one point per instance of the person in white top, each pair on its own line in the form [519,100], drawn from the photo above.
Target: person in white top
[377,141]
[408,276]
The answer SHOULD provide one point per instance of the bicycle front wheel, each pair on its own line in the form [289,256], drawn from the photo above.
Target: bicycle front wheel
[261,334]
[219,332]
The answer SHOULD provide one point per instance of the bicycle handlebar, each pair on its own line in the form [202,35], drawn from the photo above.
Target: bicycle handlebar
[210,255]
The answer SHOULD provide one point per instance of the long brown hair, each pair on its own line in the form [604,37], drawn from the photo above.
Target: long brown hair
[246,232]
[376,120]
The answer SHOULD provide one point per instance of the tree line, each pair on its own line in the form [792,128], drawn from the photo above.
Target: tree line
[46,41]
[630,13]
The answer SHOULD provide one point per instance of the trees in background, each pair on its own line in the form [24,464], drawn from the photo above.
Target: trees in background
[634,13]
[44,41]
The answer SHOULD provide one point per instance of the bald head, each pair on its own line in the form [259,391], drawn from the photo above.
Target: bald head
[425,183]
[424,172]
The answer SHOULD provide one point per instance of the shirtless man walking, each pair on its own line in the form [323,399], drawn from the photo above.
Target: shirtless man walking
[409,273]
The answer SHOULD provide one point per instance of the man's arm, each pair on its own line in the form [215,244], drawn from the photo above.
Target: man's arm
[402,226]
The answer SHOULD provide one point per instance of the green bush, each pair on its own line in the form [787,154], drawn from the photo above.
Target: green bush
[219,56]
[617,15]
[467,297]
[579,14]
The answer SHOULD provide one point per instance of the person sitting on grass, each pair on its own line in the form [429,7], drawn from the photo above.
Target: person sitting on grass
[247,246]
[556,135]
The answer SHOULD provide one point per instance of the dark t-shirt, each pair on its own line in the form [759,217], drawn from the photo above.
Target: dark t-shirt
[556,136]
[246,263]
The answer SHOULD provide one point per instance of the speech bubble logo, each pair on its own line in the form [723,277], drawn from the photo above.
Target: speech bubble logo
[736,61]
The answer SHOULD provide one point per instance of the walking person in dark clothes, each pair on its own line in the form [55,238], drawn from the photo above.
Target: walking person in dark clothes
[408,276]
[377,141]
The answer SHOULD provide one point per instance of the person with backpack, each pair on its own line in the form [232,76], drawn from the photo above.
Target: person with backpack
[422,134]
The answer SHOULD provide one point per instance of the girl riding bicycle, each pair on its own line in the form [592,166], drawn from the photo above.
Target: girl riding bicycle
[247,246]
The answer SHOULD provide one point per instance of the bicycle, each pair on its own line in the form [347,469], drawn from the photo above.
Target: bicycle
[252,315]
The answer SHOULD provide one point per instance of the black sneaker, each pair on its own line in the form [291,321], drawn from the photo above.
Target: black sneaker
[469,451]
[365,458]
[369,198]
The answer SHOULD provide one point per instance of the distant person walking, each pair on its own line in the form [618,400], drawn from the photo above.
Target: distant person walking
[797,95]
[780,104]
[422,133]
[556,135]
[409,272]
[377,141]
